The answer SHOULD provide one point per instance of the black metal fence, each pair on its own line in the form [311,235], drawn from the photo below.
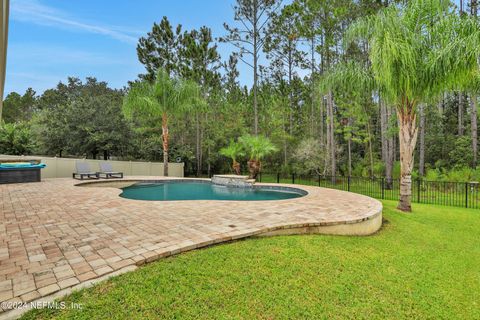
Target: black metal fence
[459,194]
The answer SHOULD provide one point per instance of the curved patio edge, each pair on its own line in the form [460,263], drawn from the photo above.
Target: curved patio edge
[361,228]
[354,227]
[321,211]
[364,227]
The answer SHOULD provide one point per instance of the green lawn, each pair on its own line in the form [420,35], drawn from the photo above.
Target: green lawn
[424,265]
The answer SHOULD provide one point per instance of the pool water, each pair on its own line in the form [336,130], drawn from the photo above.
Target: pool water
[191,190]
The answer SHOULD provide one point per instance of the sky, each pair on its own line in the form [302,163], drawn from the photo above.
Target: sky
[50,40]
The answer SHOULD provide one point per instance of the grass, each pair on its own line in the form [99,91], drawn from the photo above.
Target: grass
[423,265]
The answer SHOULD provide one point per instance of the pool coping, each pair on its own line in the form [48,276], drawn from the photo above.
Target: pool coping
[265,185]
[295,190]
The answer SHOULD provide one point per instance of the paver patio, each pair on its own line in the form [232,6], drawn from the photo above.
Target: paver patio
[55,235]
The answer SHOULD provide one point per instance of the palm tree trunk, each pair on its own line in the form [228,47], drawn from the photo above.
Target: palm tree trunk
[236,167]
[165,143]
[474,129]
[408,133]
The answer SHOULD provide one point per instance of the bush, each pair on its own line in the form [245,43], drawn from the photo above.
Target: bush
[16,139]
[310,157]
[461,155]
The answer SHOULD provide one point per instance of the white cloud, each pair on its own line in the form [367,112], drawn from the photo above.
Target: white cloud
[45,55]
[33,11]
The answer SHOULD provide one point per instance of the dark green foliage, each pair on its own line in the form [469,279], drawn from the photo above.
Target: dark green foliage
[17,107]
[16,139]
[461,155]
[84,119]
[158,50]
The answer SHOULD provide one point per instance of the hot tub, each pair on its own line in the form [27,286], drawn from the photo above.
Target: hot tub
[19,171]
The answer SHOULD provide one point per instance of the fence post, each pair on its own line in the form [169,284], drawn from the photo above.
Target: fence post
[348,183]
[278,177]
[418,190]
[293,178]
[466,194]
[260,177]
[383,188]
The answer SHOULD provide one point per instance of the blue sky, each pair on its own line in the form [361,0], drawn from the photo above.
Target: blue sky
[50,40]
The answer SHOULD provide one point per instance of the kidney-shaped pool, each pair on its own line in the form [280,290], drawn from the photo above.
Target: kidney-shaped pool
[205,190]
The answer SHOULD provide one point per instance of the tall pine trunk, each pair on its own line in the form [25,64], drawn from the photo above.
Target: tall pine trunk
[285,142]
[327,135]
[388,144]
[331,135]
[255,67]
[460,114]
[474,129]
[407,135]
[370,148]
[290,92]
[383,130]
[312,88]
[165,138]
[421,154]
[349,149]
[198,145]
[206,133]
[473,103]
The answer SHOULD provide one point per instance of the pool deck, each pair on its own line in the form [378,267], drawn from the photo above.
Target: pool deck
[56,236]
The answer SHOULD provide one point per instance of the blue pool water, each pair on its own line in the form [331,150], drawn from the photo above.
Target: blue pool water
[192,190]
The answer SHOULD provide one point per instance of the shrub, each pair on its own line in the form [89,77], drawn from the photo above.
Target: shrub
[16,139]
[310,157]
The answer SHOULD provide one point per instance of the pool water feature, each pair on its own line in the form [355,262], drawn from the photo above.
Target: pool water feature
[196,190]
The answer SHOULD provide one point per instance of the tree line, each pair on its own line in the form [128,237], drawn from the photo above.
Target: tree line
[348,128]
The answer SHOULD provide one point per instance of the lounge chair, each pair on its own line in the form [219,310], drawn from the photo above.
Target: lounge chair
[84,171]
[106,170]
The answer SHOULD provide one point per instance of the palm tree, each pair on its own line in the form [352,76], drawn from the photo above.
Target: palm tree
[233,151]
[416,52]
[257,147]
[161,99]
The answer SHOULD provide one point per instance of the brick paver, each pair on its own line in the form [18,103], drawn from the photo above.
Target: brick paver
[54,235]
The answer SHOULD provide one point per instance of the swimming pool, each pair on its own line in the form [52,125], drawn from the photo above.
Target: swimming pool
[205,190]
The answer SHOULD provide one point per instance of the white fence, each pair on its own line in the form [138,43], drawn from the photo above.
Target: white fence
[64,167]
